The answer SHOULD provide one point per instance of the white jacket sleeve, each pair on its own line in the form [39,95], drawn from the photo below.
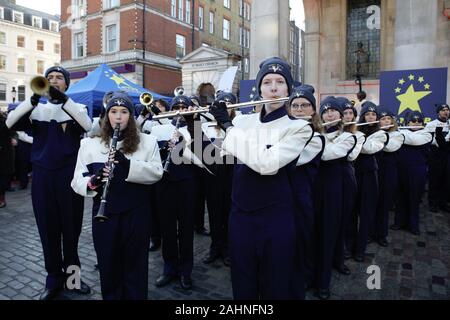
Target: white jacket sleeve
[78,112]
[149,169]
[24,137]
[360,139]
[339,148]
[21,110]
[81,175]
[395,142]
[375,142]
[252,150]
[417,138]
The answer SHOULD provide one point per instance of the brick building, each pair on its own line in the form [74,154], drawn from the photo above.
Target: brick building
[144,40]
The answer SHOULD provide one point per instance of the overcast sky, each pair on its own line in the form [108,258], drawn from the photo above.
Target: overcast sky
[54,7]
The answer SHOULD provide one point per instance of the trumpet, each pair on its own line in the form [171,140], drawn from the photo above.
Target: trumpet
[146,99]
[231,106]
[178,91]
[40,85]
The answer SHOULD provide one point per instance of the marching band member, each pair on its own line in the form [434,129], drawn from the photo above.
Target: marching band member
[329,203]
[122,241]
[262,225]
[350,221]
[388,164]
[144,120]
[218,187]
[57,127]
[438,160]
[177,215]
[366,169]
[302,103]
[412,173]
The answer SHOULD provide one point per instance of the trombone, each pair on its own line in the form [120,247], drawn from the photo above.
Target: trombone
[231,106]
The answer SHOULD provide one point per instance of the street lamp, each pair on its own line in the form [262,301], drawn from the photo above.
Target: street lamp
[359,53]
[13,94]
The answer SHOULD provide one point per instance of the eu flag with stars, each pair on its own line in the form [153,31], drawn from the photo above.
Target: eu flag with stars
[404,91]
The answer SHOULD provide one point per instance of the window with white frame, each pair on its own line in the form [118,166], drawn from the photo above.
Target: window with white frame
[111,38]
[239,65]
[37,22]
[54,26]
[226,3]
[247,38]
[21,41]
[188,11]
[2,91]
[173,8]
[78,45]
[79,8]
[226,29]
[181,46]
[40,67]
[240,36]
[2,62]
[21,93]
[211,22]
[18,16]
[180,9]
[20,64]
[40,45]
[56,48]
[241,8]
[111,4]
[246,65]
[246,11]
[2,13]
[200,18]
[2,37]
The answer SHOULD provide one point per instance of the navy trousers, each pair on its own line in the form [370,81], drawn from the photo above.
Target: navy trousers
[23,164]
[262,252]
[350,218]
[59,215]
[411,188]
[176,201]
[439,170]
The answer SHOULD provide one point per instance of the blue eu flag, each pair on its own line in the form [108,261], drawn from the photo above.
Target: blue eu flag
[413,90]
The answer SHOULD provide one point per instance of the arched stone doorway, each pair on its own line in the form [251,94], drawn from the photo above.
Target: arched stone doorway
[206,93]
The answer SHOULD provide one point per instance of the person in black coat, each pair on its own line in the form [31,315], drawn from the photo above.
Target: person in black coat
[6,158]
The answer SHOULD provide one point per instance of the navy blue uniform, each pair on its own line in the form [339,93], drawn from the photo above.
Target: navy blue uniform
[56,130]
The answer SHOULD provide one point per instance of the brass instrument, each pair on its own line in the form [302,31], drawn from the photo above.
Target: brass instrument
[231,106]
[178,91]
[101,216]
[40,85]
[146,99]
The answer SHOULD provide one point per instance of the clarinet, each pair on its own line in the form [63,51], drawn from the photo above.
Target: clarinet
[100,216]
[174,140]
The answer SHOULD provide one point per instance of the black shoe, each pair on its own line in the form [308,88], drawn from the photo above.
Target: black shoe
[49,294]
[186,282]
[84,289]
[227,261]
[370,240]
[382,242]
[343,269]
[445,208]
[434,208]
[359,258]
[347,255]
[202,231]
[395,227]
[324,294]
[211,258]
[154,245]
[164,280]
[415,232]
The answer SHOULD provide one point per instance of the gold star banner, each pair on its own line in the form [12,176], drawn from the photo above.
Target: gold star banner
[413,90]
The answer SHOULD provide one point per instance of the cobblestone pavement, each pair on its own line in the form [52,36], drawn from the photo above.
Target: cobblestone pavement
[412,267]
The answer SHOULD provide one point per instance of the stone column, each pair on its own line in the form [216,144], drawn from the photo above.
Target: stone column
[269,35]
[415,34]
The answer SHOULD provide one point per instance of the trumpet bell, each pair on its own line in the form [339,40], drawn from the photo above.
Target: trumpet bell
[178,91]
[40,85]
[146,98]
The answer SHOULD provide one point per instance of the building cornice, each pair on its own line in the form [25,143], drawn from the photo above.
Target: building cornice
[29,28]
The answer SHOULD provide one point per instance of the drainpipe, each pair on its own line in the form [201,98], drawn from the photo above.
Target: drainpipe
[193,25]
[143,43]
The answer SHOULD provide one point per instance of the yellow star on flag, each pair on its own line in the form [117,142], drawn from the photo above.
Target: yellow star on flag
[398,90]
[401,81]
[118,80]
[427,86]
[411,77]
[421,79]
[410,99]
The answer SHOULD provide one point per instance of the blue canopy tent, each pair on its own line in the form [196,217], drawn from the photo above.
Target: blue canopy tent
[90,90]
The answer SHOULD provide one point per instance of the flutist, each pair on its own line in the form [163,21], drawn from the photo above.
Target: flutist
[121,242]
[56,128]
